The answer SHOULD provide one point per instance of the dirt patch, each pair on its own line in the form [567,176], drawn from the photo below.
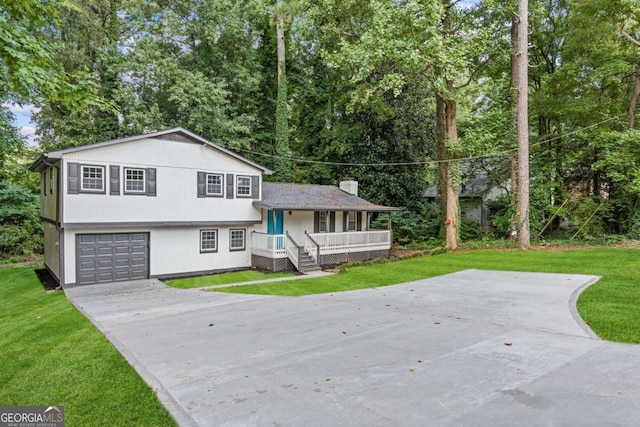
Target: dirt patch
[628,244]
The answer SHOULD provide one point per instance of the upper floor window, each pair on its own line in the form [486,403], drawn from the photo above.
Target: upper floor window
[244,186]
[134,180]
[214,184]
[92,178]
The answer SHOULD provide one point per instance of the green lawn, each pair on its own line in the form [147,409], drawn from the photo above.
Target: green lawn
[50,354]
[223,279]
[611,307]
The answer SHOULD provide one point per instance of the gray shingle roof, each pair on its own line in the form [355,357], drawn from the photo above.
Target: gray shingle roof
[313,197]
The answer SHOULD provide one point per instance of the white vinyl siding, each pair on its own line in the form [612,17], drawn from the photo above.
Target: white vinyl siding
[214,184]
[208,240]
[237,240]
[92,178]
[134,180]
[244,186]
[176,165]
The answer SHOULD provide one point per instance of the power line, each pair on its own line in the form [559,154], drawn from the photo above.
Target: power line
[503,153]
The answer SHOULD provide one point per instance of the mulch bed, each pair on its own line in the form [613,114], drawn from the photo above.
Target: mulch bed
[47,280]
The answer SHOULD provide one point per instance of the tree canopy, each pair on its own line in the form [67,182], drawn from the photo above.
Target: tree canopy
[401,96]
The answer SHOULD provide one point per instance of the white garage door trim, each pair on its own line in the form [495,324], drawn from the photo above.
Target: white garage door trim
[111,257]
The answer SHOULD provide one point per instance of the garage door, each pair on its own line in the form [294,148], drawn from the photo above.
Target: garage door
[102,258]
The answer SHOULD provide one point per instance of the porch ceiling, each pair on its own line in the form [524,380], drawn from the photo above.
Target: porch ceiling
[312,197]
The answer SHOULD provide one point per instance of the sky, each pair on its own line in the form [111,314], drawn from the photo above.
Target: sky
[22,121]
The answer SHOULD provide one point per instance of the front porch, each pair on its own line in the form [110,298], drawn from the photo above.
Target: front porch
[279,252]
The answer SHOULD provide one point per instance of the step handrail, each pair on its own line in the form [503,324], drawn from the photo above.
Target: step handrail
[294,256]
[317,257]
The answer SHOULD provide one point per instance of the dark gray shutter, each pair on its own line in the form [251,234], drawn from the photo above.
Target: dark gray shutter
[73,179]
[255,187]
[316,222]
[359,221]
[202,177]
[345,220]
[114,179]
[151,182]
[332,221]
[229,186]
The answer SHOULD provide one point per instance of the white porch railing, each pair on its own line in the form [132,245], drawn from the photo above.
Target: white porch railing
[283,246]
[269,245]
[353,241]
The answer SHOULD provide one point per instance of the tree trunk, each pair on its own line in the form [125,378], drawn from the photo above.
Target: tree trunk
[282,167]
[514,125]
[633,106]
[280,42]
[523,240]
[448,172]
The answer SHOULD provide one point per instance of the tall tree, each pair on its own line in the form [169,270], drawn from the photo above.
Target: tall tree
[414,44]
[282,170]
[522,122]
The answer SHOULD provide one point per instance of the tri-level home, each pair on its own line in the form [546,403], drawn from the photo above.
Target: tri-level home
[171,203]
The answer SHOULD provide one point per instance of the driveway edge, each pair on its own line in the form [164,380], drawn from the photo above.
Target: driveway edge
[166,399]
[573,307]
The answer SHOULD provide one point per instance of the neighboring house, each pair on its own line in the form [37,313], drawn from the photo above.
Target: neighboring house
[475,195]
[170,203]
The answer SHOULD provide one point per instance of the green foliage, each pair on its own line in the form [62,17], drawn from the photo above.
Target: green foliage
[412,226]
[20,224]
[584,215]
[28,67]
[634,226]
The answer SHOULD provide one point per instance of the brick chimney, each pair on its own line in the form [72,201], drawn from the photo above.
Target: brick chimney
[350,186]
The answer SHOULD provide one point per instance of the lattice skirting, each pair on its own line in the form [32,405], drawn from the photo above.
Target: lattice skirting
[271,264]
[331,260]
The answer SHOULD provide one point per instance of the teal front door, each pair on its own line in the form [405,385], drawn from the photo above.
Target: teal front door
[275,225]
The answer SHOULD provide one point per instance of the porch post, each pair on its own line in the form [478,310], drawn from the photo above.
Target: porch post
[390,228]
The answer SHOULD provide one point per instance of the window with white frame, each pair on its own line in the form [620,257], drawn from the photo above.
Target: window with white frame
[214,184]
[134,180]
[92,178]
[237,240]
[208,240]
[244,186]
[323,222]
[352,221]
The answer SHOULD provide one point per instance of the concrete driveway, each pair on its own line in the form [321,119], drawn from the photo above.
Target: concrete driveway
[474,348]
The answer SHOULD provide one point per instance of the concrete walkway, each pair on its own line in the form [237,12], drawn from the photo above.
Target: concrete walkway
[308,275]
[474,348]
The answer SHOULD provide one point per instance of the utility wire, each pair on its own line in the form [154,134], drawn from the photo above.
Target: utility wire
[503,153]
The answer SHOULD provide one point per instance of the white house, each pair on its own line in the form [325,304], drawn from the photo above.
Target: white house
[170,203]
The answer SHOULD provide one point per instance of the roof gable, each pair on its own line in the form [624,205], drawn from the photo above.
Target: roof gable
[175,134]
